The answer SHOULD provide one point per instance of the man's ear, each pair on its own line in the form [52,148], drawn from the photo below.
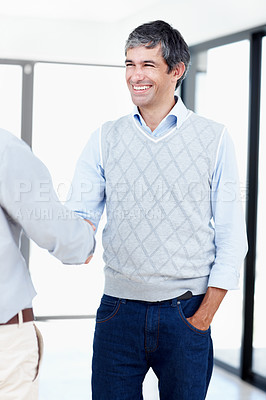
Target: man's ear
[178,71]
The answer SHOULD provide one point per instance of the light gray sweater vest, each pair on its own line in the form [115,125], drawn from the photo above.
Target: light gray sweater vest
[159,238]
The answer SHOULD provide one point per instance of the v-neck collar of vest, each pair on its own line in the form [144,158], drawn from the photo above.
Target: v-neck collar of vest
[182,115]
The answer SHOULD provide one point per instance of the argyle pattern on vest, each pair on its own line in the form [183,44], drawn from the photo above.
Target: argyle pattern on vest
[159,217]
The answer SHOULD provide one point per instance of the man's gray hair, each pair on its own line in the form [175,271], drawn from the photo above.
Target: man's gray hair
[174,47]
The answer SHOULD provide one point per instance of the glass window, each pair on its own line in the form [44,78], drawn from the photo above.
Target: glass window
[10,98]
[259,339]
[70,102]
[222,95]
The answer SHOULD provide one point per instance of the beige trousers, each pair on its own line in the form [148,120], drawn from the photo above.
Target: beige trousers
[20,354]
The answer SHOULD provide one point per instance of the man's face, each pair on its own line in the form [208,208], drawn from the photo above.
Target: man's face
[147,77]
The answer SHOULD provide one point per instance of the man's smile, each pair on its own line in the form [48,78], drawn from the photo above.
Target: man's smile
[141,88]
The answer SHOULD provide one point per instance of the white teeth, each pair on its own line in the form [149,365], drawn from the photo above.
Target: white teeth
[141,87]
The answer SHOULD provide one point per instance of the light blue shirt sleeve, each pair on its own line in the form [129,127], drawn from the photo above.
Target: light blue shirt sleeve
[228,218]
[87,193]
[28,197]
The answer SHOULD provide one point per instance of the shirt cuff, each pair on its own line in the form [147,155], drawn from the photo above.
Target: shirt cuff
[224,278]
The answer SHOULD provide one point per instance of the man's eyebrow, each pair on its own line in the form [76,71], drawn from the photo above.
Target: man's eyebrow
[149,62]
[142,62]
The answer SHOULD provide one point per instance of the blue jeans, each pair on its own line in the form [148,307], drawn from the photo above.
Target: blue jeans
[133,336]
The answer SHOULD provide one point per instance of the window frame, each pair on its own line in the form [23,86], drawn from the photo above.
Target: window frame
[255,36]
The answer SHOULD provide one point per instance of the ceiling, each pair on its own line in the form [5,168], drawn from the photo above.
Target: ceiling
[94,11]
[198,20]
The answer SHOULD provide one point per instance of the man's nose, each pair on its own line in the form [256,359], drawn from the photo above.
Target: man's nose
[138,75]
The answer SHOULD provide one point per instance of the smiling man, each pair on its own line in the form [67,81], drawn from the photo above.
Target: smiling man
[150,82]
[175,234]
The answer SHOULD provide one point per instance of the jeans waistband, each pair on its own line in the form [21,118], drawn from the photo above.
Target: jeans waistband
[173,302]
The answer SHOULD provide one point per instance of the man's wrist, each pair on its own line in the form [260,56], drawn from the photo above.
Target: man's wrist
[210,304]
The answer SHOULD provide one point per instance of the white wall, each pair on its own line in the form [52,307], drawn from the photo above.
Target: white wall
[103,42]
[199,21]
[43,39]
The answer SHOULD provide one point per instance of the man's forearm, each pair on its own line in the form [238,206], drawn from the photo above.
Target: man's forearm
[210,304]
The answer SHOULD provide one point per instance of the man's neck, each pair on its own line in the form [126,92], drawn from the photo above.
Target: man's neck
[153,116]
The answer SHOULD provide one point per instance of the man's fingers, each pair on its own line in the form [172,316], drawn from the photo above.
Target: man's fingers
[88,260]
[93,227]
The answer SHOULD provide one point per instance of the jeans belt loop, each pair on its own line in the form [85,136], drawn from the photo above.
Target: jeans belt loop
[174,302]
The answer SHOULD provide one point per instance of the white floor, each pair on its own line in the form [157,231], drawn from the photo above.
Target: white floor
[65,372]
[224,386]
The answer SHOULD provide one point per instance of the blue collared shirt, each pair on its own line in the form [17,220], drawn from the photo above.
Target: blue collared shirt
[165,125]
[227,215]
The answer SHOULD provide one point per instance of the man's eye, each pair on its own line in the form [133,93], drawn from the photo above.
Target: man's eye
[149,65]
[129,65]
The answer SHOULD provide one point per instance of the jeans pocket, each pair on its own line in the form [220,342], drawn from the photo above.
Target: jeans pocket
[183,317]
[108,309]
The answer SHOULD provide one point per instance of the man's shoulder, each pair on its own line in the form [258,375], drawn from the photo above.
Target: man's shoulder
[6,137]
[205,121]
[9,142]
[115,125]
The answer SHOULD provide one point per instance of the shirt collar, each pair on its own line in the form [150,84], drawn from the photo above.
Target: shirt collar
[179,111]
